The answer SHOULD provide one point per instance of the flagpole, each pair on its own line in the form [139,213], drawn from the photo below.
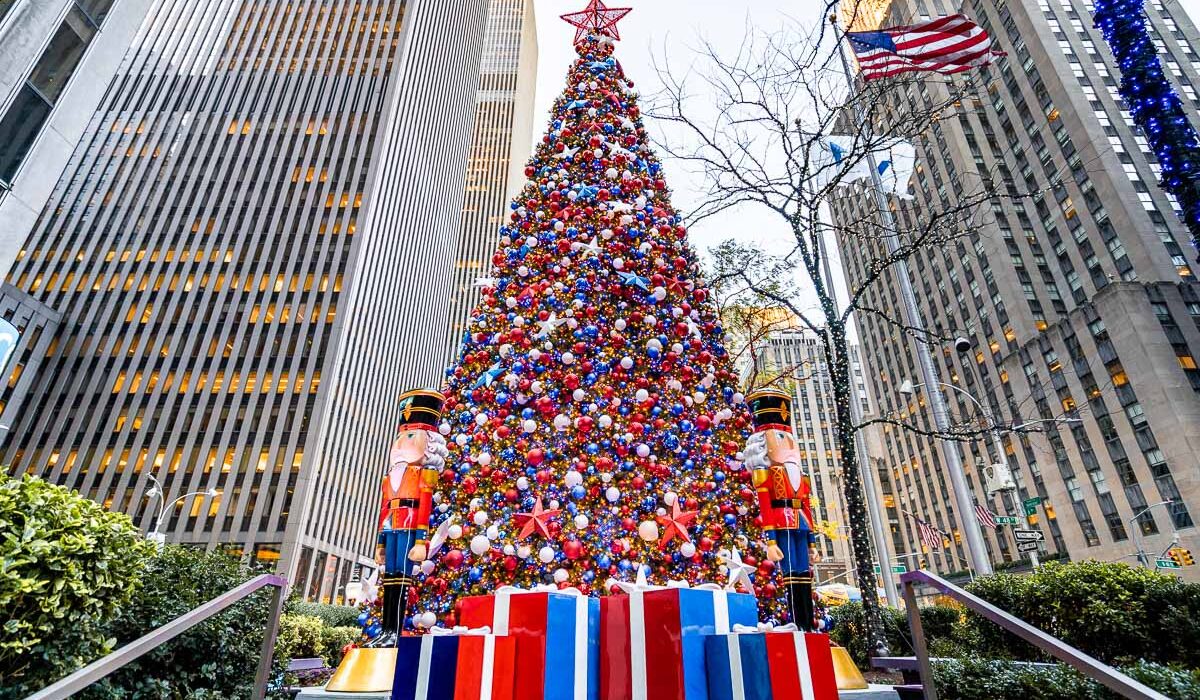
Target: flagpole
[964,503]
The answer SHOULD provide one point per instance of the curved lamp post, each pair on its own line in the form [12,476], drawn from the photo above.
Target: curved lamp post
[156,491]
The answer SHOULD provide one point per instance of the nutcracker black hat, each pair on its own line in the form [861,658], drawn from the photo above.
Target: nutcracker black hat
[770,409]
[421,408]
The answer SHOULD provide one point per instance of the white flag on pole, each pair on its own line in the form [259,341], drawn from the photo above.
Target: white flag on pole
[895,162]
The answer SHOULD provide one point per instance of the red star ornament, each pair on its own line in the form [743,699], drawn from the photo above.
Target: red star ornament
[537,520]
[596,19]
[676,525]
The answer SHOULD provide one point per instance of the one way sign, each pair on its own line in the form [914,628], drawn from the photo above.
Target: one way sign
[1028,535]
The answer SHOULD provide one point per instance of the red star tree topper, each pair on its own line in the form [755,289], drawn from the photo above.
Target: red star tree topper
[596,19]
[592,379]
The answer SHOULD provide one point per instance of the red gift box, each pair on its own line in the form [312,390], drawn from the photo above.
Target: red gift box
[801,666]
[486,668]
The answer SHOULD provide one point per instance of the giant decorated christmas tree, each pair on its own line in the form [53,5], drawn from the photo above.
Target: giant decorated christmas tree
[593,416]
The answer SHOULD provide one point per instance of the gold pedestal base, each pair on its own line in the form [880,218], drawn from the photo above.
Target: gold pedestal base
[847,674]
[365,671]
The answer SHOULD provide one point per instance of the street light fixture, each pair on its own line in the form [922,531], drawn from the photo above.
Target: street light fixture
[156,491]
[963,498]
[1141,554]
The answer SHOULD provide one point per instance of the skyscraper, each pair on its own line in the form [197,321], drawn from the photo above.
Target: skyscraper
[793,360]
[250,249]
[1079,302]
[56,58]
[500,145]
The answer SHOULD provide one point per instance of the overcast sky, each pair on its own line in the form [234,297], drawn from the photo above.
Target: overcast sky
[672,28]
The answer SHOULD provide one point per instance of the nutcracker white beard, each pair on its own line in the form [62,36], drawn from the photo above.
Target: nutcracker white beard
[756,455]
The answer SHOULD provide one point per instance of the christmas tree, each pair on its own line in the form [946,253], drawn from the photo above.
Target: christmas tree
[593,415]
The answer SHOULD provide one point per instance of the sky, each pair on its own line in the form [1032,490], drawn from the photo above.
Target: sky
[673,28]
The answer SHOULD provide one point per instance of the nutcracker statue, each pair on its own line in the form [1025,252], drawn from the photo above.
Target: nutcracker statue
[414,465]
[784,491]
[416,459]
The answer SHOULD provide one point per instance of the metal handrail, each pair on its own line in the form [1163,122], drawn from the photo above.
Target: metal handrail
[105,665]
[1098,671]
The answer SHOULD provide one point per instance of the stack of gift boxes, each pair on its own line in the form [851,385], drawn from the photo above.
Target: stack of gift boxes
[652,643]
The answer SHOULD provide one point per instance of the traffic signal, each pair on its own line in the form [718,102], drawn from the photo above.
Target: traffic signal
[1182,556]
[1175,556]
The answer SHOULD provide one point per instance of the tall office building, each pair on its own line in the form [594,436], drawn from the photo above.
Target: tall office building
[500,146]
[56,58]
[793,360]
[1079,302]
[249,249]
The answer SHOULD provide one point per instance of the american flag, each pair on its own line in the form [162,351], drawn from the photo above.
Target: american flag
[942,45]
[985,516]
[930,535]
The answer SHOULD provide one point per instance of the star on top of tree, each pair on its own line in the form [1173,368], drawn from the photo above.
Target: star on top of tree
[596,19]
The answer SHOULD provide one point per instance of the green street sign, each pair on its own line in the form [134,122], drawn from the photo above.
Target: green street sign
[1031,505]
[876,568]
[1006,520]
[899,569]
[1164,563]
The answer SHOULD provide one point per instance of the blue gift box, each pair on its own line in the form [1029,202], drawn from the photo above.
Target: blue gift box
[425,667]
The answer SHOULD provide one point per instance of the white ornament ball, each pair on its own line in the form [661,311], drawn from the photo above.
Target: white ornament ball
[578,395]
[509,550]
[444,428]
[669,497]
[660,293]
[460,439]
[529,426]
[568,358]
[524,551]
[605,421]
[561,575]
[687,549]
[480,518]
[581,521]
[480,545]
[523,483]
[654,344]
[454,531]
[573,479]
[648,530]
[618,263]
[612,494]
[641,395]
[546,554]
[561,422]
[643,450]
[427,567]
[427,619]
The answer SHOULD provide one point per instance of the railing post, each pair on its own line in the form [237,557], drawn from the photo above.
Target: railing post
[919,646]
[268,647]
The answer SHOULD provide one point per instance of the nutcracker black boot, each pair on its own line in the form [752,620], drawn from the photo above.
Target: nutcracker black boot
[391,616]
[798,590]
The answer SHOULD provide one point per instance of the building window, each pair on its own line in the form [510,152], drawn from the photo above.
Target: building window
[23,120]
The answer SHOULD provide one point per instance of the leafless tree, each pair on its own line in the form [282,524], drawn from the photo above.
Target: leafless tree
[752,126]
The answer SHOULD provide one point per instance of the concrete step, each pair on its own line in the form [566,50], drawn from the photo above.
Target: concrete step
[873,692]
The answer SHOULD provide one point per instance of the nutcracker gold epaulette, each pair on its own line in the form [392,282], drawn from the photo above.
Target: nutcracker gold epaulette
[770,408]
[421,408]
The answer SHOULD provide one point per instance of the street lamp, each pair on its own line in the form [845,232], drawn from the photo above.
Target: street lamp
[156,491]
[1141,555]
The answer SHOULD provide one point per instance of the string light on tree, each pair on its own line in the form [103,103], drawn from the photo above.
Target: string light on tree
[1153,104]
[593,415]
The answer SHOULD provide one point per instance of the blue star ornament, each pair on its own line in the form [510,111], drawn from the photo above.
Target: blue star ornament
[632,278]
[489,376]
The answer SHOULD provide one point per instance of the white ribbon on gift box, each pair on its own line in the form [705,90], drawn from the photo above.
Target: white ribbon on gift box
[489,657]
[500,621]
[637,611]
[765,627]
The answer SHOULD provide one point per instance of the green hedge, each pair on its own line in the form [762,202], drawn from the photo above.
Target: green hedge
[330,615]
[215,660]
[68,567]
[849,629]
[1114,612]
[986,680]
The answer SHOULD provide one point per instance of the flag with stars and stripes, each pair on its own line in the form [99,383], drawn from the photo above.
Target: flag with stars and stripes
[940,45]
[930,535]
[985,516]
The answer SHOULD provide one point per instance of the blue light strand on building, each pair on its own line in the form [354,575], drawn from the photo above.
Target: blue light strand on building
[1152,102]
